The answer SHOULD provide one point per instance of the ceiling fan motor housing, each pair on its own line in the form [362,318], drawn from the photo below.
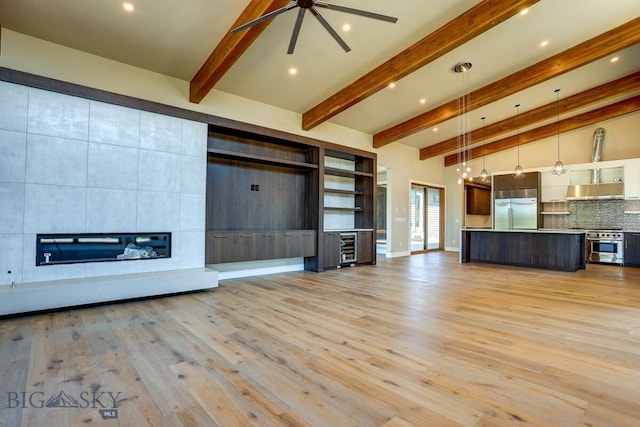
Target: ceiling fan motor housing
[305,4]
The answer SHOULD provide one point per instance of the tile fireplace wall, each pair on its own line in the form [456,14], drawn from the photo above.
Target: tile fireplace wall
[72,165]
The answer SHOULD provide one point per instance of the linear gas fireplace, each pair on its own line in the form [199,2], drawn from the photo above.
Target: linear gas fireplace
[53,249]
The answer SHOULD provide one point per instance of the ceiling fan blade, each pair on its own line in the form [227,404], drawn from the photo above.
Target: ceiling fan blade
[357,12]
[296,31]
[331,31]
[265,17]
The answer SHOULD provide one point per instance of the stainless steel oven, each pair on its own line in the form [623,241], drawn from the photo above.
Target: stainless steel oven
[605,246]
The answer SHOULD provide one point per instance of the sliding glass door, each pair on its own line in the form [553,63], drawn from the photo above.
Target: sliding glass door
[427,218]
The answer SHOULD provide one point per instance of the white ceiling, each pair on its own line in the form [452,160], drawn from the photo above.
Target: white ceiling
[175,38]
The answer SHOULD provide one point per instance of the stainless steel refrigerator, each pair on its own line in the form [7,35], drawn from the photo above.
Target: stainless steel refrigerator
[516,213]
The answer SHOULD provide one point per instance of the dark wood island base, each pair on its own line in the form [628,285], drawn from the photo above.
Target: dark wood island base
[548,249]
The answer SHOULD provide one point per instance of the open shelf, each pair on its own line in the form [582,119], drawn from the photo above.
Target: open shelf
[348,192]
[260,159]
[336,208]
[345,172]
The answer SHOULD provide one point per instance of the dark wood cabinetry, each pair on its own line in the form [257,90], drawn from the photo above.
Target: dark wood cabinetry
[553,251]
[632,249]
[266,195]
[478,200]
[366,248]
[331,249]
[243,246]
[531,180]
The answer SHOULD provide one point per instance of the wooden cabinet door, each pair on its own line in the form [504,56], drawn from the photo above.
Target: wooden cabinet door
[245,247]
[308,243]
[508,182]
[632,249]
[331,249]
[220,248]
[478,201]
[290,244]
[267,246]
[365,247]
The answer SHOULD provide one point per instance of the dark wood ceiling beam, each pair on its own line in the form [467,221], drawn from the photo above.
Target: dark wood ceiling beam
[231,47]
[626,84]
[612,41]
[589,118]
[482,17]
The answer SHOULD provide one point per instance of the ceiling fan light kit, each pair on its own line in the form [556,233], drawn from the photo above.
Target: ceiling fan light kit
[312,5]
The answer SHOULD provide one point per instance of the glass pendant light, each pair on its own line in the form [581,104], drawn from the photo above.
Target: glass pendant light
[558,168]
[464,133]
[483,173]
[518,172]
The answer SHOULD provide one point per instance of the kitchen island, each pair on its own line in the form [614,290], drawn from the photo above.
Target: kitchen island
[563,250]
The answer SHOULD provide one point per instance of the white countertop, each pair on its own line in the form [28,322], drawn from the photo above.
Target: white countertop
[541,230]
[347,229]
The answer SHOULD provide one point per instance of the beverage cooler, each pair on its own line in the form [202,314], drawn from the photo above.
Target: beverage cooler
[348,247]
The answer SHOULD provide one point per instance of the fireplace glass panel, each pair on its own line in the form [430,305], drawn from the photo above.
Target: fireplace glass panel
[52,249]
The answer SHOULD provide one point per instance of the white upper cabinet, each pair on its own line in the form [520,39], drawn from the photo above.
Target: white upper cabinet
[554,187]
[632,179]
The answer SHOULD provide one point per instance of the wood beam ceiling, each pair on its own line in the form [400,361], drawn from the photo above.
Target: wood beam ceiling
[597,115]
[482,17]
[612,41]
[231,47]
[594,95]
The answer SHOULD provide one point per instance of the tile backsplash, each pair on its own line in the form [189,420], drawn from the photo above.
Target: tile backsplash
[593,214]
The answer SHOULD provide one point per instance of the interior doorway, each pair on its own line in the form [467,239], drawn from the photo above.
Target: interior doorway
[382,230]
[427,218]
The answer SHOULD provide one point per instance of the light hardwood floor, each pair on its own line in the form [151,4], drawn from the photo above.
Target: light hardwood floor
[416,341]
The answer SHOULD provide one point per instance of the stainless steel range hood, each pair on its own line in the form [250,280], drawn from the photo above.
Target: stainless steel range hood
[609,191]
[596,190]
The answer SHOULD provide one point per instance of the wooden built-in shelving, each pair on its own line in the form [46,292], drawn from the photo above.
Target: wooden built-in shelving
[266,196]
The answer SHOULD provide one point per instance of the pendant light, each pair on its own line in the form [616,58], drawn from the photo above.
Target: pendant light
[464,130]
[558,168]
[518,172]
[483,173]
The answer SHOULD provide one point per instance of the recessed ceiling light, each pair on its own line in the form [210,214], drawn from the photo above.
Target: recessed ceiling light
[346,27]
[293,71]
[544,43]
[524,11]
[392,85]
[435,129]
[423,100]
[128,7]
[615,59]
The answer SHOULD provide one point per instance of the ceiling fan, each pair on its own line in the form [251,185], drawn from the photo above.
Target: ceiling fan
[311,5]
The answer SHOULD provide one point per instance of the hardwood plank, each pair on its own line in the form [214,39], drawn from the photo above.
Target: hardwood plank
[420,340]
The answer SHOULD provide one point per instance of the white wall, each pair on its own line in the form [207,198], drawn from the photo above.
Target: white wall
[70,165]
